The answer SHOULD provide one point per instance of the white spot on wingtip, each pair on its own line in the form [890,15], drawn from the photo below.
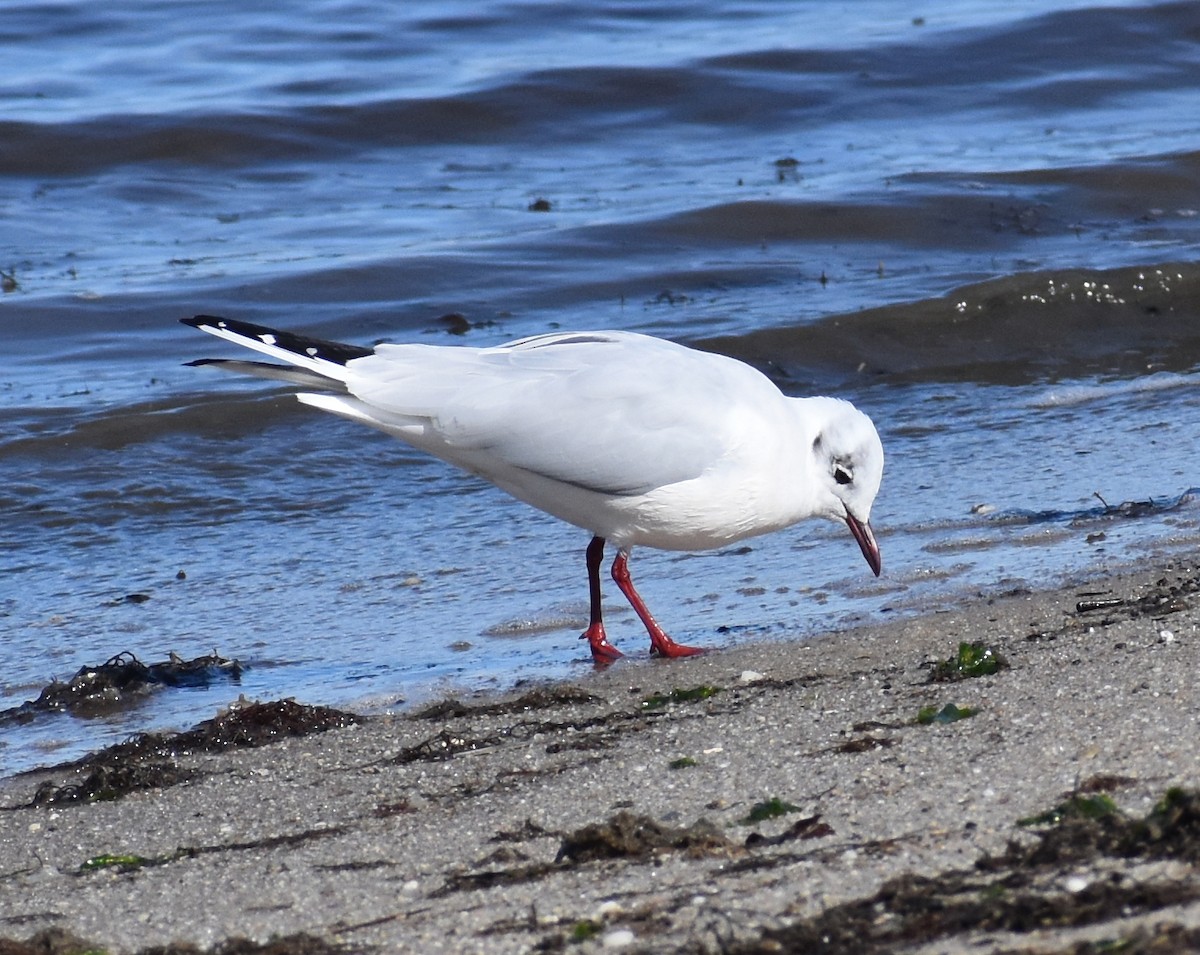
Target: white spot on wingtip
[311,352]
[267,339]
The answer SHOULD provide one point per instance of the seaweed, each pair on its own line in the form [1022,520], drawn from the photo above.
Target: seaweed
[51,941]
[771,808]
[629,835]
[129,861]
[120,682]
[972,660]
[150,760]
[54,941]
[695,694]
[444,745]
[1010,892]
[538,699]
[585,929]
[810,827]
[1163,598]
[1077,806]
[124,862]
[864,744]
[950,713]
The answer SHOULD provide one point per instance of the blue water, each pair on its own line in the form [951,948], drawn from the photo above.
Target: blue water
[977,221]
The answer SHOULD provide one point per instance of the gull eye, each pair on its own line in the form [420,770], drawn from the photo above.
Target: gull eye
[842,475]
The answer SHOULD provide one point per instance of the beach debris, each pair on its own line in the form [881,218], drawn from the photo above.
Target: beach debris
[1138,508]
[1011,892]
[787,169]
[50,941]
[110,777]
[1088,516]
[138,598]
[668,297]
[585,929]
[127,862]
[629,834]
[1076,806]
[249,724]
[538,699]
[150,760]
[972,660]
[1085,825]
[683,762]
[527,830]
[864,744]
[950,713]
[771,808]
[1132,510]
[696,693]
[1164,597]
[1098,603]
[1102,783]
[456,323]
[444,745]
[299,944]
[810,827]
[626,835]
[108,860]
[122,681]
[398,807]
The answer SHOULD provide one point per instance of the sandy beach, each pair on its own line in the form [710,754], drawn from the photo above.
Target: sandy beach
[781,797]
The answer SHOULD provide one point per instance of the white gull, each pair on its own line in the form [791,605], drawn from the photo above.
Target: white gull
[637,440]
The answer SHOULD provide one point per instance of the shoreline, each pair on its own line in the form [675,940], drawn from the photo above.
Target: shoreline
[721,803]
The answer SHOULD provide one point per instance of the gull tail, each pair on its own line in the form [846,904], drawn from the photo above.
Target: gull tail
[311,362]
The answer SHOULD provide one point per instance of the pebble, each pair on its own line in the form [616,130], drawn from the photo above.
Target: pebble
[618,938]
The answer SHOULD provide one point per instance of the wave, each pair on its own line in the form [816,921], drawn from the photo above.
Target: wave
[285,118]
[1020,329]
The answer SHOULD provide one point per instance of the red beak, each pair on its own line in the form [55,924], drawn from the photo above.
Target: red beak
[866,541]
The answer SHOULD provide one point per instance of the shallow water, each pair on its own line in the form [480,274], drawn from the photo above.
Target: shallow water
[980,225]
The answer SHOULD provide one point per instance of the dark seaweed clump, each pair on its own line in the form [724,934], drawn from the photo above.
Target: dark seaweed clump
[57,942]
[150,760]
[1010,892]
[120,682]
[631,835]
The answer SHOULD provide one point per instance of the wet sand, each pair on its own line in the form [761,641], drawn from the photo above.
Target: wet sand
[769,798]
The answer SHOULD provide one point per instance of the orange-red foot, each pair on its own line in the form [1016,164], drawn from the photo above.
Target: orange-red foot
[664,646]
[603,652]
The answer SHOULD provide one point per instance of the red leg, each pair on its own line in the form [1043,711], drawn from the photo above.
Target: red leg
[603,652]
[660,644]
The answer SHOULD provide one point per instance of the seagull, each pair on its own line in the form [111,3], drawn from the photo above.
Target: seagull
[635,439]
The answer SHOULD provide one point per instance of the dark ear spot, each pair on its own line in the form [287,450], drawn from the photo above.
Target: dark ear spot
[817,442]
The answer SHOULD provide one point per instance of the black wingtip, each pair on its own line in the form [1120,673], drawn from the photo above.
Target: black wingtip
[302,345]
[232,324]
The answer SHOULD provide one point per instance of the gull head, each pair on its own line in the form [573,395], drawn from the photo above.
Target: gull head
[847,456]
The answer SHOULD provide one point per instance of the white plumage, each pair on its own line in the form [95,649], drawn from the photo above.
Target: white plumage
[635,439]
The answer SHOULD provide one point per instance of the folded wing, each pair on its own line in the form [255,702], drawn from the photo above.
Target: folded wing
[616,413]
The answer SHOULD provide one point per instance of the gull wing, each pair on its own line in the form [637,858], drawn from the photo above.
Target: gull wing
[615,412]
